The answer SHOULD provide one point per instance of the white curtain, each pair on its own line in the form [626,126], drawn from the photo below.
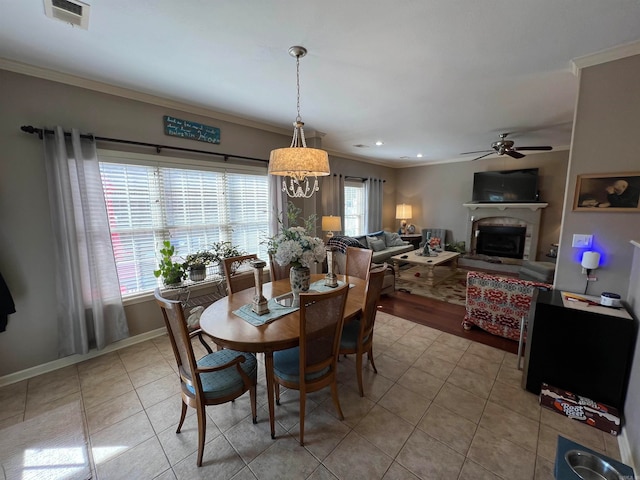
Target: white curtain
[278,205]
[374,188]
[90,312]
[332,195]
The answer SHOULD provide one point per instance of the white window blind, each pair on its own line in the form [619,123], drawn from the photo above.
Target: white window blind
[191,206]
[353,208]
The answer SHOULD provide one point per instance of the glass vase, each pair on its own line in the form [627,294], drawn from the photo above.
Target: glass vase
[300,278]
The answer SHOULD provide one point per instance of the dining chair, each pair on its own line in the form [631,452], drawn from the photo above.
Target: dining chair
[358,262]
[230,264]
[216,378]
[278,272]
[357,335]
[311,366]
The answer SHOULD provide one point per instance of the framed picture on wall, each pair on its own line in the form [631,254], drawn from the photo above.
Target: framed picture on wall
[608,192]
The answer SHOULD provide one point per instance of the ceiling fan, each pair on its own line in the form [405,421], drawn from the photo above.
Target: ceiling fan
[506,147]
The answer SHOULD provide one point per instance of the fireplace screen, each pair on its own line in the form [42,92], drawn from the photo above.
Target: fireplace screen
[501,241]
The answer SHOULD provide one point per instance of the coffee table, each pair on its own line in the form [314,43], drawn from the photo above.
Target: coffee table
[446,261]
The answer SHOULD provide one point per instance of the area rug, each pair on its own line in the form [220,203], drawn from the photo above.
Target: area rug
[51,446]
[452,290]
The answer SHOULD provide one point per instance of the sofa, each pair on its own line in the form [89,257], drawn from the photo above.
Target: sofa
[384,245]
[498,304]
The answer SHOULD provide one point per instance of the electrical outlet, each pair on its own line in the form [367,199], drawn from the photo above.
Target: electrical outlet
[582,241]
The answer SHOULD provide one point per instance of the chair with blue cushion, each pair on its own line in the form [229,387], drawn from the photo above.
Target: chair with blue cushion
[312,365]
[216,378]
[357,335]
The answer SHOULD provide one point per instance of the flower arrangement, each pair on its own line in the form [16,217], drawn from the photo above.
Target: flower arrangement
[295,245]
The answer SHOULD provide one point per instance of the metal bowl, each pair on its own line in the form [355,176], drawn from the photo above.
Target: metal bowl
[591,467]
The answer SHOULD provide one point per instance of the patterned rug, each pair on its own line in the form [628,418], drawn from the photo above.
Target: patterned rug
[452,290]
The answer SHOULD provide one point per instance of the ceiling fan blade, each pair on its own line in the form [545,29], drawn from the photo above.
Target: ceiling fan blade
[482,156]
[477,151]
[546,148]
[514,154]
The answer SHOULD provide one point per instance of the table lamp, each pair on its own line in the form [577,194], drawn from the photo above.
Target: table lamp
[403,212]
[331,224]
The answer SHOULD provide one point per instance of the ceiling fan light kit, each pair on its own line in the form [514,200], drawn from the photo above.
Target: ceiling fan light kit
[507,147]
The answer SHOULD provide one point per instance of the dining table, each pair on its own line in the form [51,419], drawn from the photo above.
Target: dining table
[229,330]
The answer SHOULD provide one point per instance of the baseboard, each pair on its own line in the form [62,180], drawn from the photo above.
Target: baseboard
[625,449]
[73,359]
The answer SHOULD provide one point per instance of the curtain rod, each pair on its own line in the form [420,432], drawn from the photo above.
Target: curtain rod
[349,177]
[226,156]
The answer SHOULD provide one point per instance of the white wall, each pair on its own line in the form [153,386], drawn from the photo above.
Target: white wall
[606,140]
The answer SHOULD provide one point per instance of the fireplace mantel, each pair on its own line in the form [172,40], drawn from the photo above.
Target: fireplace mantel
[503,206]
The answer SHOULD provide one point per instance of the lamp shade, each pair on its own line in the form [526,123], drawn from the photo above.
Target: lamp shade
[403,211]
[299,162]
[331,224]
[590,260]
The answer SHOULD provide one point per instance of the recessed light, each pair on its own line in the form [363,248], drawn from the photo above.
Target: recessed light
[379,143]
[419,155]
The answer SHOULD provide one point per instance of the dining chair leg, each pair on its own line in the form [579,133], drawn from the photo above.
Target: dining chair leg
[359,372]
[252,397]
[183,414]
[202,430]
[336,400]
[303,401]
[268,366]
[370,357]
[204,343]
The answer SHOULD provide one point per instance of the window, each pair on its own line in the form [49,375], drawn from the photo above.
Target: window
[353,208]
[191,204]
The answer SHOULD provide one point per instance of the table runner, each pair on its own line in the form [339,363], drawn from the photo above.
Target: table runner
[275,309]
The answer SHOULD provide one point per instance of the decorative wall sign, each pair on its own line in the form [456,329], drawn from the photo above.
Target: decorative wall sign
[608,192]
[187,129]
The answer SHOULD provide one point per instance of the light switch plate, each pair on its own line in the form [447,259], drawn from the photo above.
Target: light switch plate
[582,241]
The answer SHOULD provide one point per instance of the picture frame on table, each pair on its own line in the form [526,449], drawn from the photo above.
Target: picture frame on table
[608,192]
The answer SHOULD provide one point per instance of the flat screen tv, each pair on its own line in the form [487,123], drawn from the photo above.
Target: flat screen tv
[506,186]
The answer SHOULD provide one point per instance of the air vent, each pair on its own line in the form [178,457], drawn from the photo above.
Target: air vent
[360,145]
[73,12]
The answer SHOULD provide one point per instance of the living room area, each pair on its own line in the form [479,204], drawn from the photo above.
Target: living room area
[439,195]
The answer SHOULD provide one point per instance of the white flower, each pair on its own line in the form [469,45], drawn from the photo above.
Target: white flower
[294,246]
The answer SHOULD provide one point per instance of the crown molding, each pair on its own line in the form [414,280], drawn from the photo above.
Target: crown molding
[60,77]
[609,55]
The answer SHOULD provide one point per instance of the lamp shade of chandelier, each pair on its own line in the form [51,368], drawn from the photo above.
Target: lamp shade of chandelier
[299,162]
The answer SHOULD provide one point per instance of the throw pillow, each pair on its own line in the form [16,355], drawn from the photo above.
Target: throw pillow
[376,244]
[392,239]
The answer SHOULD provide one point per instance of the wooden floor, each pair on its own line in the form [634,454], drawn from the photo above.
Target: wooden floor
[443,316]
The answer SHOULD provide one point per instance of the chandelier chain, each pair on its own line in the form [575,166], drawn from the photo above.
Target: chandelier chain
[298,118]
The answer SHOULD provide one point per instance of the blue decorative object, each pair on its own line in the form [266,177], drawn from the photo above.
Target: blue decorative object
[192,130]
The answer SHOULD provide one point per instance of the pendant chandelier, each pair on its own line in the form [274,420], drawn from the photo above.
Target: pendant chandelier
[299,162]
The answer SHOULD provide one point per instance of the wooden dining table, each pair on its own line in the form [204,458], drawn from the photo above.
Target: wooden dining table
[228,330]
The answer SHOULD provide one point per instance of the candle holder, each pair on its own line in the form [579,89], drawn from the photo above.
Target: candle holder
[259,305]
[330,279]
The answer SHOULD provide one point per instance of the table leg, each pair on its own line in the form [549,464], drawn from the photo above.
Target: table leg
[396,264]
[430,278]
[268,367]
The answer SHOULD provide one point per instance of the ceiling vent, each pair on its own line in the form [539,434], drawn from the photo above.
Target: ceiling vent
[69,11]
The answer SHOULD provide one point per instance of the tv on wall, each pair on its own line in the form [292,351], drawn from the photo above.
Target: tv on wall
[506,186]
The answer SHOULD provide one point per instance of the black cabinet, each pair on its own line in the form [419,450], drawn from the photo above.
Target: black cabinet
[586,349]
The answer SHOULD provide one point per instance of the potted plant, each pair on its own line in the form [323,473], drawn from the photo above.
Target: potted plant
[223,250]
[196,263]
[172,273]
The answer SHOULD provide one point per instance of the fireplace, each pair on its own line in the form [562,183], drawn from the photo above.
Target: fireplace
[504,224]
[501,241]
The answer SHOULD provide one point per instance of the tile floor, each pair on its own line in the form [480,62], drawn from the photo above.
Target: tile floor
[441,407]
